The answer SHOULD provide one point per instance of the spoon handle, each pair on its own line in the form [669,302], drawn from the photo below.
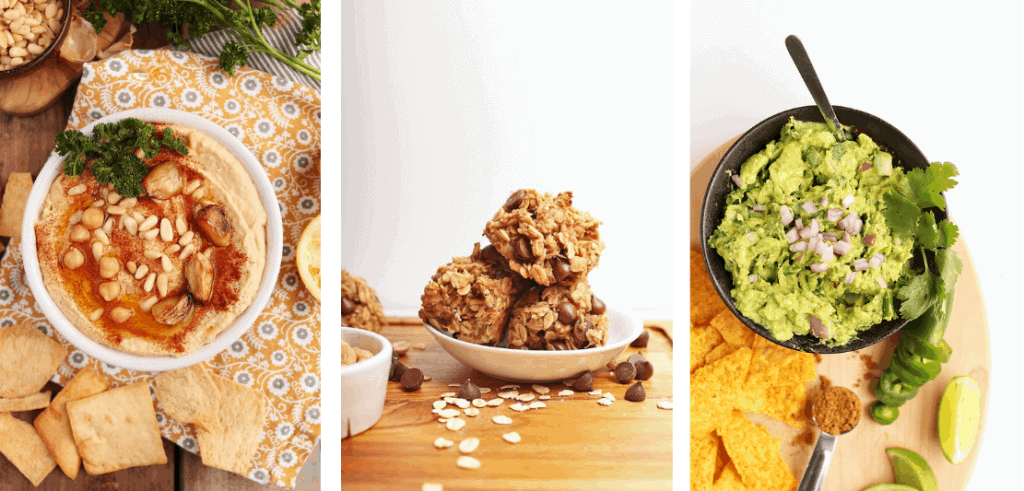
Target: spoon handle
[814,477]
[806,69]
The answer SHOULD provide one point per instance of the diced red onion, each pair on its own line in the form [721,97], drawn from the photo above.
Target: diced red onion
[812,244]
[847,201]
[815,226]
[819,246]
[798,246]
[819,267]
[834,214]
[865,166]
[809,207]
[757,208]
[841,248]
[882,283]
[798,257]
[858,224]
[736,179]
[792,235]
[750,237]
[826,254]
[846,238]
[799,223]
[819,329]
[752,278]
[786,215]
[823,202]
[807,233]
[876,260]
[829,236]
[851,277]
[860,264]
[869,239]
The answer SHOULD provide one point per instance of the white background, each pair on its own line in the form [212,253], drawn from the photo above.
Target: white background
[950,79]
[455,105]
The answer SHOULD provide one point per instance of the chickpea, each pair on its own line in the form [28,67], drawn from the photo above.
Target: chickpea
[92,218]
[79,233]
[121,314]
[110,290]
[109,267]
[73,258]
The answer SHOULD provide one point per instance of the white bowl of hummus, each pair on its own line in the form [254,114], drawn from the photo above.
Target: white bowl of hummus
[169,278]
[542,366]
[364,385]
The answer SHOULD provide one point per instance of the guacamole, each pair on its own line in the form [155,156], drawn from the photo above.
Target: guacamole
[805,239]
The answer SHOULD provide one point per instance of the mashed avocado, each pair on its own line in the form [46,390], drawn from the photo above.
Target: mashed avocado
[804,237]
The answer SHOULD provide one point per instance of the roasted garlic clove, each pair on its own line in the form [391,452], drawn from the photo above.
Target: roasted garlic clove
[214,224]
[199,274]
[163,181]
[172,310]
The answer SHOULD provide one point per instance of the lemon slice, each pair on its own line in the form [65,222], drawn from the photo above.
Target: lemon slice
[307,257]
[912,470]
[959,411]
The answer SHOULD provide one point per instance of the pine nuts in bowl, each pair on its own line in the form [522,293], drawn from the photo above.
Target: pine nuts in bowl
[30,30]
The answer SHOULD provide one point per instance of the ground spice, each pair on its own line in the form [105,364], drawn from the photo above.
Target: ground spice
[836,410]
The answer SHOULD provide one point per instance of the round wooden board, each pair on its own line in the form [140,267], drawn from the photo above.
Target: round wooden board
[859,460]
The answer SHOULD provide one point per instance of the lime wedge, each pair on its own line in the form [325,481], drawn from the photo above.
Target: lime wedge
[959,411]
[890,487]
[912,470]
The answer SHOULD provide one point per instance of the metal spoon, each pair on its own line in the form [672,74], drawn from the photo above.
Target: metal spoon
[806,69]
[817,467]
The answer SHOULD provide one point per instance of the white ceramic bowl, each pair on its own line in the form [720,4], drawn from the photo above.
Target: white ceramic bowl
[516,365]
[34,278]
[364,385]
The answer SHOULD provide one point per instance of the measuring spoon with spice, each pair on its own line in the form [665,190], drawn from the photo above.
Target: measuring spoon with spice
[836,411]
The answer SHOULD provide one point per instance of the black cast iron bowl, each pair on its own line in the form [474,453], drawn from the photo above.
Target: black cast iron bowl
[906,155]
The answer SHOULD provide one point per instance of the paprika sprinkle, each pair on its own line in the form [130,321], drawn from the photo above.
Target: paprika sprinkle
[836,410]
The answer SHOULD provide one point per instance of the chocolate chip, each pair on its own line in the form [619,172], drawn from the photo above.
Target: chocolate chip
[468,391]
[560,268]
[515,200]
[580,331]
[636,358]
[625,372]
[398,369]
[585,383]
[644,370]
[636,393]
[490,253]
[641,341]
[347,306]
[531,295]
[412,379]
[566,313]
[534,344]
[558,345]
[598,306]
[521,249]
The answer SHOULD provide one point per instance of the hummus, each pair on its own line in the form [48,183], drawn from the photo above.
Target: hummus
[163,273]
[795,202]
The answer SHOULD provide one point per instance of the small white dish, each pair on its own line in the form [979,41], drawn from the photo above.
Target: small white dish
[516,365]
[242,323]
[364,384]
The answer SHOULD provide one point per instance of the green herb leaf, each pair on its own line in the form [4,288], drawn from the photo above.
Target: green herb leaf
[928,183]
[920,293]
[900,214]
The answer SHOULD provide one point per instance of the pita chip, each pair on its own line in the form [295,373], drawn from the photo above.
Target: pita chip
[116,429]
[28,359]
[19,184]
[242,414]
[54,426]
[20,443]
[28,403]
[189,395]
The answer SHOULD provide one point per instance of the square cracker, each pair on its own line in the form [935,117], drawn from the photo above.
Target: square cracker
[117,429]
[53,424]
[28,359]
[23,447]
[189,395]
[27,403]
[15,196]
[242,413]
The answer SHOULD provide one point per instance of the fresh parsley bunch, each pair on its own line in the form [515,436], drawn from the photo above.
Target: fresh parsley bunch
[238,16]
[111,152]
[907,214]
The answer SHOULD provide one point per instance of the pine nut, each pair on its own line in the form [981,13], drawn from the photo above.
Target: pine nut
[147,304]
[141,272]
[152,254]
[180,225]
[130,224]
[76,189]
[150,280]
[101,236]
[185,253]
[95,315]
[161,284]
[108,226]
[152,234]
[166,232]
[116,210]
[171,249]
[165,263]
[121,314]
[132,267]
[148,223]
[186,238]
[97,250]
[129,203]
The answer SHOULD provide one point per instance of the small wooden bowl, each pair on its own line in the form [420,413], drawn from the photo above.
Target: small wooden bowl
[52,49]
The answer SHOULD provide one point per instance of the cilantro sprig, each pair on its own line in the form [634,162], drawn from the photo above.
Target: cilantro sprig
[238,16]
[111,152]
[908,214]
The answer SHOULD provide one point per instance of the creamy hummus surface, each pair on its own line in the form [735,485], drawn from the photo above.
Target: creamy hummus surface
[804,237]
[163,273]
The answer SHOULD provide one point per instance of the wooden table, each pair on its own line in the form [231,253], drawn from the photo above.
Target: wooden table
[27,144]
[573,443]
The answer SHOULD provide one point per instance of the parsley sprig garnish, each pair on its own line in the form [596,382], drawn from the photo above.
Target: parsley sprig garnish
[238,16]
[907,214]
[111,152]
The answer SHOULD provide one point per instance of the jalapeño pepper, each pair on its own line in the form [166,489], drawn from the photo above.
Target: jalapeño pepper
[911,368]
[883,414]
[924,349]
[892,391]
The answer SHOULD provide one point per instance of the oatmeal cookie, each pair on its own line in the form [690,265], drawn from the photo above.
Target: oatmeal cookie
[559,317]
[360,307]
[544,238]
[471,296]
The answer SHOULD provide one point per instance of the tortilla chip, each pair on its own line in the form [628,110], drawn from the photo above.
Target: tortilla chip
[34,401]
[189,395]
[702,341]
[20,443]
[19,184]
[719,352]
[705,303]
[729,480]
[732,329]
[242,412]
[756,454]
[28,359]
[117,429]
[713,391]
[53,424]
[702,462]
[721,458]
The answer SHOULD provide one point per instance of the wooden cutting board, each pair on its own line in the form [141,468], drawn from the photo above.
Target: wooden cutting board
[574,443]
[859,460]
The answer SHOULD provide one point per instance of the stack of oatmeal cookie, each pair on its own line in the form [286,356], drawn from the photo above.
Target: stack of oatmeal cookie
[528,289]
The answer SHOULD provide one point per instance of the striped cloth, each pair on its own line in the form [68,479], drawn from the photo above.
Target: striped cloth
[281,36]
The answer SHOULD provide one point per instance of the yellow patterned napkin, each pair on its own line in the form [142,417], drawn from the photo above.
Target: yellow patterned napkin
[279,121]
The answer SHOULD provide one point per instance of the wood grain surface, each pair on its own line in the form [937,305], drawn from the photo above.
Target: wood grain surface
[859,459]
[574,443]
